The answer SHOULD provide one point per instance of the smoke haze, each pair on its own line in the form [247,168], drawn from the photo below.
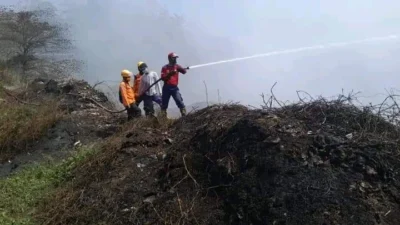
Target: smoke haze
[114,35]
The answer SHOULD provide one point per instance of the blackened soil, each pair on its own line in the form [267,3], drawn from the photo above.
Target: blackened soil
[230,165]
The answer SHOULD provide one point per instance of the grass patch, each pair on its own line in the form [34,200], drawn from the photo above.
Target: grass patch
[10,77]
[22,192]
[22,124]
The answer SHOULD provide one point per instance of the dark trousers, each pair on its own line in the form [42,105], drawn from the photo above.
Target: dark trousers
[167,92]
[138,101]
[148,103]
[133,111]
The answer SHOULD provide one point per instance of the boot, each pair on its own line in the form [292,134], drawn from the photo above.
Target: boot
[183,111]
[163,113]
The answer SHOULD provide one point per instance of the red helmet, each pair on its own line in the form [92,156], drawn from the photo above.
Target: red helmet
[172,55]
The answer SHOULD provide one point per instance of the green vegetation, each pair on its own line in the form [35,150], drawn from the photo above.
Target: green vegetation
[20,124]
[9,77]
[22,192]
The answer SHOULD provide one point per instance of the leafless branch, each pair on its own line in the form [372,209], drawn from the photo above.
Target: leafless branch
[97,103]
[190,175]
[219,97]
[97,83]
[303,99]
[273,95]
[268,103]
[18,99]
[31,36]
[205,85]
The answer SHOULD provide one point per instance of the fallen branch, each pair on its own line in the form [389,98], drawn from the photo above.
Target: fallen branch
[190,175]
[97,103]
[194,109]
[18,99]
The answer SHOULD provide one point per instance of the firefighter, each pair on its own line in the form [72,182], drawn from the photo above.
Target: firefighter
[147,92]
[127,95]
[136,84]
[170,76]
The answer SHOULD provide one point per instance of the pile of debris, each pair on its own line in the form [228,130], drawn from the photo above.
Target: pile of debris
[313,163]
[84,120]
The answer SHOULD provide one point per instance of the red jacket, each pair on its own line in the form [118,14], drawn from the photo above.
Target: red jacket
[174,79]
[136,84]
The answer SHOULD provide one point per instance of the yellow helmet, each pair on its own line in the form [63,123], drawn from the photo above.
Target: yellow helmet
[139,63]
[126,73]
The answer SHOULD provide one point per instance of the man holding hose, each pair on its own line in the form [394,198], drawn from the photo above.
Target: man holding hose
[170,76]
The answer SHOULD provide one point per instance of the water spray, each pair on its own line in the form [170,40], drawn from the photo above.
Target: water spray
[288,51]
[296,50]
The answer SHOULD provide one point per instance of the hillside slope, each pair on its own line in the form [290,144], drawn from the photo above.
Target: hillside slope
[313,163]
[80,121]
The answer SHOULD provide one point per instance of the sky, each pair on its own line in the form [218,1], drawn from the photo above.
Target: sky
[112,35]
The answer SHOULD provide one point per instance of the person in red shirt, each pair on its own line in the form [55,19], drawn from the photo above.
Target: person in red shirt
[170,76]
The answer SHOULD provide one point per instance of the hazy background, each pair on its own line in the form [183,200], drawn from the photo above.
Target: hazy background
[115,34]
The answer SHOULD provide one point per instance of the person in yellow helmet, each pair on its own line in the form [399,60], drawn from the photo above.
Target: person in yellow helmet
[127,95]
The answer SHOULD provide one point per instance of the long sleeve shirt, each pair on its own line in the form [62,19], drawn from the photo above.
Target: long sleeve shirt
[174,79]
[128,97]
[136,85]
[147,80]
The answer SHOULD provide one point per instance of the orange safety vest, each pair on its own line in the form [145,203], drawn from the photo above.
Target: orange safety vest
[127,94]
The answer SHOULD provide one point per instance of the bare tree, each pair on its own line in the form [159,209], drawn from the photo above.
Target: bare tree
[29,36]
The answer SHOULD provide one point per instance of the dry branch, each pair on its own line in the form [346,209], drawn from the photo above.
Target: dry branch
[18,99]
[96,103]
[190,175]
[205,86]
[219,97]
[97,83]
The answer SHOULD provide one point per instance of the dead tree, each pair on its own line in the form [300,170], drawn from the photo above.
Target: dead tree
[32,35]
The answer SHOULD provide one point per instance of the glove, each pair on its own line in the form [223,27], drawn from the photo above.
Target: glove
[181,70]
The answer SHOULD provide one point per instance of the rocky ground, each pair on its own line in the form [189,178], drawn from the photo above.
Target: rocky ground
[313,163]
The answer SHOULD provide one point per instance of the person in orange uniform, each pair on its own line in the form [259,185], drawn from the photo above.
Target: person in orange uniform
[136,84]
[128,95]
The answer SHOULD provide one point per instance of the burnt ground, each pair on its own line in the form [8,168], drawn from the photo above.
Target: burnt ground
[83,122]
[314,163]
